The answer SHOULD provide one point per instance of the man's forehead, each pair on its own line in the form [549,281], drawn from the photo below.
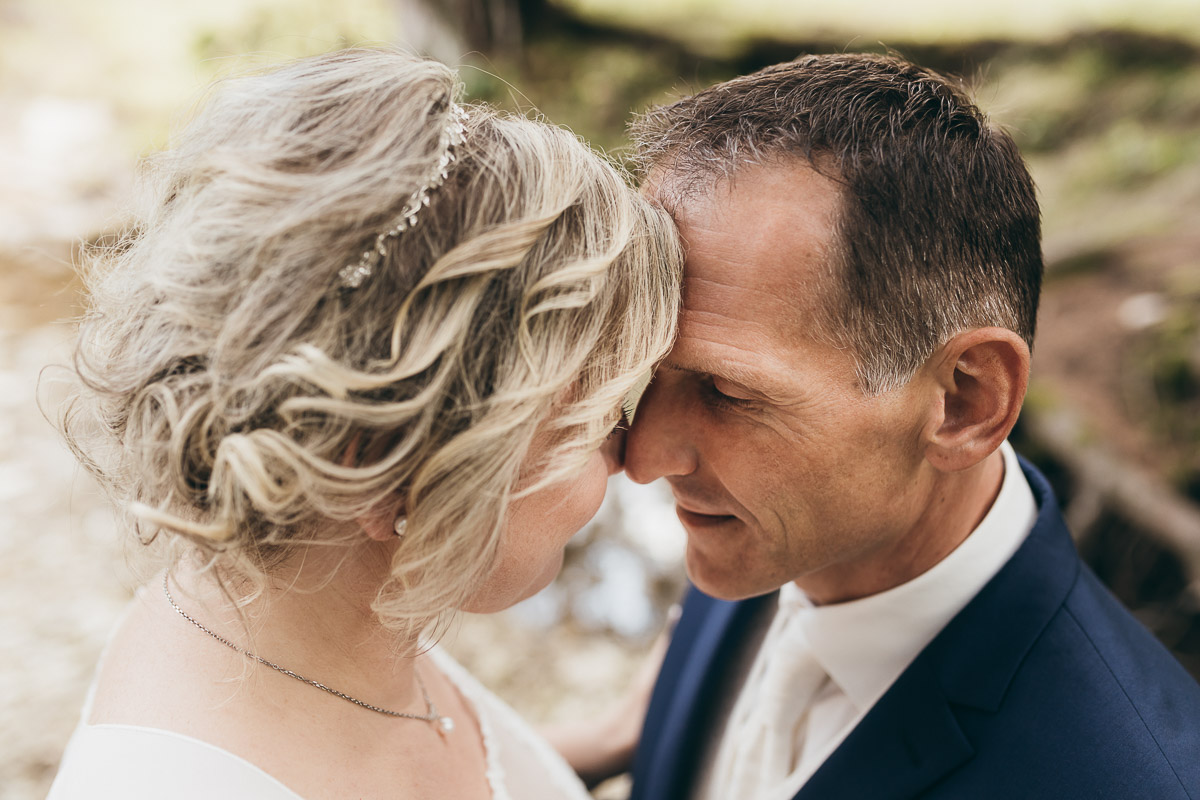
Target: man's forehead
[728,308]
[759,250]
[743,333]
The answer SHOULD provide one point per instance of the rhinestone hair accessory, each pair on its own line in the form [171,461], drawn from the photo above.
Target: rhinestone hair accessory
[352,276]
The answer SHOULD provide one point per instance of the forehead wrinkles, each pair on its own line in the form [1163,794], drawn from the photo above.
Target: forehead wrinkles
[761,252]
[724,332]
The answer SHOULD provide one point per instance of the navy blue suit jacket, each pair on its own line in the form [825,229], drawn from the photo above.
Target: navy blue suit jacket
[1044,686]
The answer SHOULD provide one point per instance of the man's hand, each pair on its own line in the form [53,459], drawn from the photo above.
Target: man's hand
[597,749]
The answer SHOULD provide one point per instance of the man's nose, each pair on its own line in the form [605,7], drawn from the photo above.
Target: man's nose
[658,444]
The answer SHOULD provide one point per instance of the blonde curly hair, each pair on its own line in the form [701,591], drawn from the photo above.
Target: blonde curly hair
[234,397]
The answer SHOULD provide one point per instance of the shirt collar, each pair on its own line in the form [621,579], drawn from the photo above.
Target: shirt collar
[865,644]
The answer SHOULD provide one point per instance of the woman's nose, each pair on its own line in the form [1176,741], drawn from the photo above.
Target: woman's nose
[660,442]
[613,450]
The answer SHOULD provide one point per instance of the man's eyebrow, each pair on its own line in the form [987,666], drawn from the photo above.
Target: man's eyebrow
[745,378]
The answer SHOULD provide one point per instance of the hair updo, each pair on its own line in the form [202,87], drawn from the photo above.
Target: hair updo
[233,396]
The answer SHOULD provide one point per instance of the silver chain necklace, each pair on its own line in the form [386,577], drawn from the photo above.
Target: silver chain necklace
[444,724]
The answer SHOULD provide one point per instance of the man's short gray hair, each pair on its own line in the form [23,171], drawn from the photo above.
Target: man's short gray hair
[939,229]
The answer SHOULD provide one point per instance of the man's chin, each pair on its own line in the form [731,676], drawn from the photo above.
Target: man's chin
[720,578]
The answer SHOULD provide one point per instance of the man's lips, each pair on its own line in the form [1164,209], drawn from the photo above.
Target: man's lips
[697,519]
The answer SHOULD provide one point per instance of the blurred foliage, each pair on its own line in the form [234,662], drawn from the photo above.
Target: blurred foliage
[719,25]
[591,87]
[268,30]
[147,59]
[1168,360]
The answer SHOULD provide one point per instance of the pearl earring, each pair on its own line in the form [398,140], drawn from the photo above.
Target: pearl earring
[399,526]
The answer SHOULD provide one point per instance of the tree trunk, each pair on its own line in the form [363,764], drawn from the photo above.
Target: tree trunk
[450,29]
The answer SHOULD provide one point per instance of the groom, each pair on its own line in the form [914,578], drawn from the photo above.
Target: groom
[887,602]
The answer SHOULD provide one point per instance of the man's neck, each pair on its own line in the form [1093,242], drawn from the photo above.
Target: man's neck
[955,505]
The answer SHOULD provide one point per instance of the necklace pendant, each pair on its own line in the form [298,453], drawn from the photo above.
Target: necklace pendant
[445,725]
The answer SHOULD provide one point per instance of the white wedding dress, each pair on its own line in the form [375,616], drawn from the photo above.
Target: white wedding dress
[97,762]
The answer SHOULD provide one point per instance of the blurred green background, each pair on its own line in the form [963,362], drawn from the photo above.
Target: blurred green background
[1103,97]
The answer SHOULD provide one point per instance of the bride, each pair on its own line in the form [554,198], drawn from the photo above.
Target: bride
[357,368]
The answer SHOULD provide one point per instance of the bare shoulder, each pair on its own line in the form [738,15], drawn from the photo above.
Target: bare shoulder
[157,673]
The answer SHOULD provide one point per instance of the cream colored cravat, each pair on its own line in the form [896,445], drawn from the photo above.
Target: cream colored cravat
[766,732]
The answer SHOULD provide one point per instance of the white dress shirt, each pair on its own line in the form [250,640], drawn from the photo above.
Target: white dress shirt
[863,646]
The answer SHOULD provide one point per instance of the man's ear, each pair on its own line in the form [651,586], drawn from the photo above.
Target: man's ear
[982,375]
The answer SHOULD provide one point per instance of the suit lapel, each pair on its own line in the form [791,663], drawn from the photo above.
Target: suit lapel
[907,741]
[709,634]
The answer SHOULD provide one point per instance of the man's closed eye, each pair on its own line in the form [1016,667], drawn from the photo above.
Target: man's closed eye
[723,394]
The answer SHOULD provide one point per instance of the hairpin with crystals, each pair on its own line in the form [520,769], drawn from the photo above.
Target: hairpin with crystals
[352,276]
